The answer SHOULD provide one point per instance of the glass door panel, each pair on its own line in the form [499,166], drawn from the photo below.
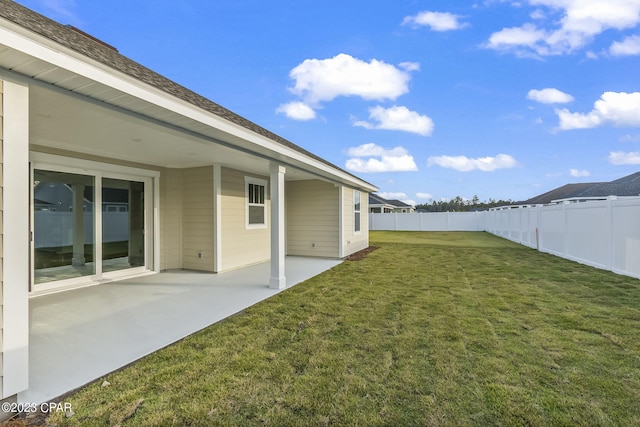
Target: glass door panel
[63,233]
[123,224]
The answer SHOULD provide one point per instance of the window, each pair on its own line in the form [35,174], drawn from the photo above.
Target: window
[356,211]
[256,206]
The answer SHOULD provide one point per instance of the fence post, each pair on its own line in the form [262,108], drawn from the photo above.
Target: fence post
[611,249]
[539,226]
[565,233]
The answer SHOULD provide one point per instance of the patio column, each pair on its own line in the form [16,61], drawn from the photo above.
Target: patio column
[14,226]
[278,279]
[78,259]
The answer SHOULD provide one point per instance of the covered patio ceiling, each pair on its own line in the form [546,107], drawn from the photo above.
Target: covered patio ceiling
[79,124]
[84,106]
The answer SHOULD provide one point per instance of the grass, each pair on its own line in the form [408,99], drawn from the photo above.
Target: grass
[430,329]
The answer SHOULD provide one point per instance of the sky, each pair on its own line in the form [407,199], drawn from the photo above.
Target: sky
[427,100]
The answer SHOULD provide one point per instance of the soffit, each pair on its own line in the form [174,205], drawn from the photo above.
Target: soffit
[173,154]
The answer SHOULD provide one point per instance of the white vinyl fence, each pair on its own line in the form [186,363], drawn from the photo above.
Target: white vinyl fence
[601,233]
[433,221]
[55,229]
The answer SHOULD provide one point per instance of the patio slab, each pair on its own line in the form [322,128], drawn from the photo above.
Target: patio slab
[80,335]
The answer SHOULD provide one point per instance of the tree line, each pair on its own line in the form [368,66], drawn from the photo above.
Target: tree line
[458,204]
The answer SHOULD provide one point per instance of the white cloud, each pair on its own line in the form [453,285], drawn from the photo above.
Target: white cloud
[622,158]
[321,80]
[410,66]
[466,164]
[614,108]
[437,21]
[379,159]
[569,25]
[579,173]
[398,118]
[549,96]
[374,150]
[64,8]
[537,14]
[297,111]
[630,138]
[628,46]
[511,38]
[426,196]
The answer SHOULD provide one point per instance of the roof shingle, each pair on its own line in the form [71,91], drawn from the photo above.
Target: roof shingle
[97,50]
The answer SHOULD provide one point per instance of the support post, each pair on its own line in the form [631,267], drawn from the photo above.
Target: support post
[14,295]
[78,259]
[278,279]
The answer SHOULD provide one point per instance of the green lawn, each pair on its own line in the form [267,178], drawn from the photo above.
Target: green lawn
[430,329]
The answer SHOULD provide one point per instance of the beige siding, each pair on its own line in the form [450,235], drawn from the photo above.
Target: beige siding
[198,219]
[312,216]
[240,246]
[352,241]
[171,189]
[1,232]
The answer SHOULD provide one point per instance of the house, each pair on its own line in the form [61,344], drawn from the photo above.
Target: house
[626,186]
[201,187]
[401,207]
[379,204]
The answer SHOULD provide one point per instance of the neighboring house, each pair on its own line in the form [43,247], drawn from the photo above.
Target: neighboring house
[401,207]
[625,186]
[378,204]
[205,189]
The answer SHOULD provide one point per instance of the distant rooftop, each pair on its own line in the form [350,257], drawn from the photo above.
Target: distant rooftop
[625,186]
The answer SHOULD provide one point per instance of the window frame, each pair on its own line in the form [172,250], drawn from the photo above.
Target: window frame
[250,202]
[357,212]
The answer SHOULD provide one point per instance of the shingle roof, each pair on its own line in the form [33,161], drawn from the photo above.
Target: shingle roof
[99,51]
[625,186]
[564,192]
[399,204]
[374,199]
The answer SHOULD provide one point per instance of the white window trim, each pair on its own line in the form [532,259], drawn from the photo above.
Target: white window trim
[256,181]
[358,211]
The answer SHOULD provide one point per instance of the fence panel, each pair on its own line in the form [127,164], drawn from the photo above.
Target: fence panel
[600,233]
[56,228]
[626,238]
[435,221]
[551,229]
[586,233]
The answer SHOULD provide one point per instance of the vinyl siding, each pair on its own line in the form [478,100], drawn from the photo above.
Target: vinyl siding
[241,247]
[353,242]
[198,219]
[171,190]
[312,216]
[1,233]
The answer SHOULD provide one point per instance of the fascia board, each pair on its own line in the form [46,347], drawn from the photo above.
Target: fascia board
[34,45]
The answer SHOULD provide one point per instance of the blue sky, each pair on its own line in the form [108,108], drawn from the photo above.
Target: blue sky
[425,99]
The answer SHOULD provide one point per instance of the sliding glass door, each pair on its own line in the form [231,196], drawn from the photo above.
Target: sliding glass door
[88,226]
[123,226]
[63,219]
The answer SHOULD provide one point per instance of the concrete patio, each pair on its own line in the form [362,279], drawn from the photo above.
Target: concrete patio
[78,336]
